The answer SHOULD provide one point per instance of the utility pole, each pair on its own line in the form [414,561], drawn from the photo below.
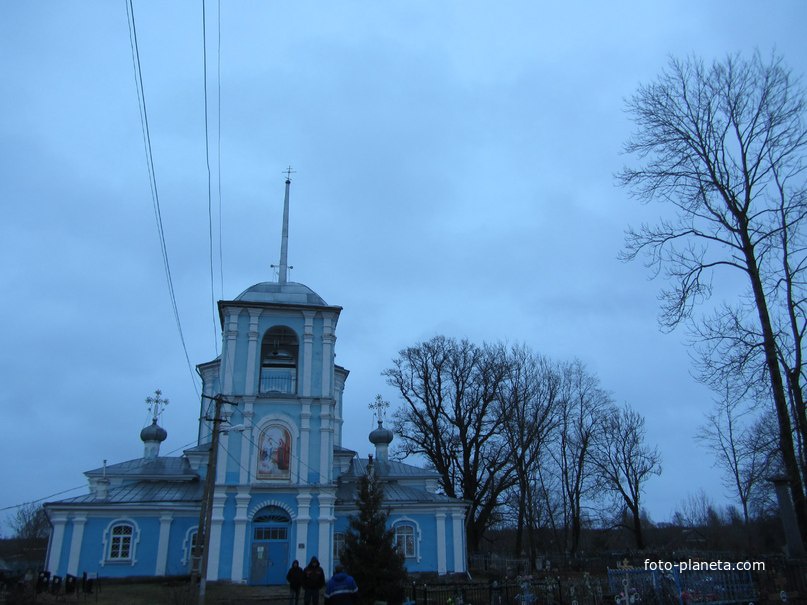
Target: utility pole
[201,550]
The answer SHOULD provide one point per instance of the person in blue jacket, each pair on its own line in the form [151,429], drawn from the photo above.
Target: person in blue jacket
[341,589]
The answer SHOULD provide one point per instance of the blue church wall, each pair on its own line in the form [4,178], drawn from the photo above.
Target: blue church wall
[227,537]
[179,545]
[65,550]
[234,445]
[146,553]
[312,540]
[314,447]
[92,547]
[425,541]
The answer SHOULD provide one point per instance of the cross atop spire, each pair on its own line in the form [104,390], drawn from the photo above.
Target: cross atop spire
[283,270]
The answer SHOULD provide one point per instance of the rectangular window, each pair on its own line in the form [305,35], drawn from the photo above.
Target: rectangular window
[405,540]
[120,545]
[338,545]
[271,533]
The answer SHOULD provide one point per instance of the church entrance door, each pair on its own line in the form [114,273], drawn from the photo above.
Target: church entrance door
[270,546]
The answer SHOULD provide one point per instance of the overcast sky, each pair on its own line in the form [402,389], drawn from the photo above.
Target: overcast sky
[455,166]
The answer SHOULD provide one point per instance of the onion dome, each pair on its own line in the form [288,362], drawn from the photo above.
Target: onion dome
[381,436]
[153,432]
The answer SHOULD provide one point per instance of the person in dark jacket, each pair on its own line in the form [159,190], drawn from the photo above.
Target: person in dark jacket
[312,583]
[341,589]
[295,578]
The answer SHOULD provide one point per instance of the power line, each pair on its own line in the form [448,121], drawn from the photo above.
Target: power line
[218,140]
[84,485]
[209,177]
[144,124]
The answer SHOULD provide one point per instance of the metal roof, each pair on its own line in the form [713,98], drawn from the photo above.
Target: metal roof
[144,492]
[395,493]
[389,469]
[287,293]
[176,467]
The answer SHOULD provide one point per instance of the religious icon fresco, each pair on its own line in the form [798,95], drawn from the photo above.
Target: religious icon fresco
[274,453]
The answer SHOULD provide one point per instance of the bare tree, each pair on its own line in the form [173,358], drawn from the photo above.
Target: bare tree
[30,522]
[696,510]
[742,446]
[724,145]
[581,408]
[529,400]
[451,417]
[625,462]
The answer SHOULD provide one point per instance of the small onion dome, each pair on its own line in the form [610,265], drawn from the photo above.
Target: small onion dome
[153,432]
[381,436]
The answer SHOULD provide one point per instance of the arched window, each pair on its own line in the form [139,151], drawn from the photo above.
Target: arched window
[189,545]
[120,541]
[279,350]
[405,539]
[271,523]
[271,514]
[274,453]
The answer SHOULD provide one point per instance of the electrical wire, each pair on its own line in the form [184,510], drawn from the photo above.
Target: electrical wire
[144,124]
[209,177]
[84,485]
[218,140]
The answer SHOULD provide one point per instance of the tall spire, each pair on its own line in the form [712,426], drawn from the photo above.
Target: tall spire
[283,272]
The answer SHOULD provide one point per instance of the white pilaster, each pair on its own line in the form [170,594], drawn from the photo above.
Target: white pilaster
[231,337]
[239,545]
[326,442]
[217,519]
[75,544]
[245,472]
[252,352]
[326,519]
[223,459]
[305,433]
[458,521]
[441,542]
[328,339]
[162,543]
[56,542]
[301,524]
[337,411]
[206,428]
[308,352]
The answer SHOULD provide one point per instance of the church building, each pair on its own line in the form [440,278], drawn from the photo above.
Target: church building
[283,486]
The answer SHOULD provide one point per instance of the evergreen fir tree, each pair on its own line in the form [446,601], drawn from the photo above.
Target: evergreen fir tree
[369,554]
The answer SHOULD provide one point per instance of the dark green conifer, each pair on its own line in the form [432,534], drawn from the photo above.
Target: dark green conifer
[369,554]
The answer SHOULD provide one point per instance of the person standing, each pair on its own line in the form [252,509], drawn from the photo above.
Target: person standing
[312,583]
[295,578]
[341,588]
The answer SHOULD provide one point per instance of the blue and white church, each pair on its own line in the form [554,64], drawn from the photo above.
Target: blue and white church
[284,487]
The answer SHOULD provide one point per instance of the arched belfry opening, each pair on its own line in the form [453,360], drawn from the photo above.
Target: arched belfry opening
[279,353]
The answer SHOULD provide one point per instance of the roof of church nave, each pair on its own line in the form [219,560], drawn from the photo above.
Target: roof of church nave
[174,467]
[144,492]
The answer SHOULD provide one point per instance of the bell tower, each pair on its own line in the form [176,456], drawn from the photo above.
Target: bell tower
[278,363]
